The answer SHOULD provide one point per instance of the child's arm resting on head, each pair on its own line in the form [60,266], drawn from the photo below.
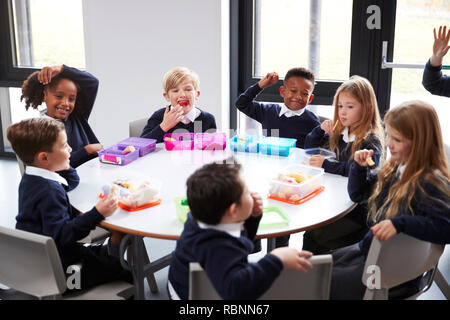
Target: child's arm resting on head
[47,73]
[88,89]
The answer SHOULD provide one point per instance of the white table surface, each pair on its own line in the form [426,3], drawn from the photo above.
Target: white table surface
[172,168]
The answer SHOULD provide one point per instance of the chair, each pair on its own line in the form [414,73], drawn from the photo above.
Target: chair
[290,285]
[31,265]
[398,260]
[136,127]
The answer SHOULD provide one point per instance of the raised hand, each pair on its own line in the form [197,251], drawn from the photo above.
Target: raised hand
[268,80]
[362,156]
[440,46]
[46,75]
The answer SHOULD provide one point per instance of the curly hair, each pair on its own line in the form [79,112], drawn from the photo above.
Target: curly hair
[33,90]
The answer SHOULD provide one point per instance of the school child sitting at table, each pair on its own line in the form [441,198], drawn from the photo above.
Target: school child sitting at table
[44,206]
[218,235]
[291,120]
[181,90]
[69,95]
[410,194]
[356,125]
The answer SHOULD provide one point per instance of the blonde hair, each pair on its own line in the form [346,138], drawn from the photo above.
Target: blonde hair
[370,122]
[418,122]
[179,74]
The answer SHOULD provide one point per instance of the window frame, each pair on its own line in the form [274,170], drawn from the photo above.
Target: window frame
[363,60]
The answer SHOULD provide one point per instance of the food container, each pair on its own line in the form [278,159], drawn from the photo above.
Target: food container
[114,155]
[276,146]
[144,145]
[182,208]
[179,141]
[210,141]
[297,192]
[307,153]
[245,143]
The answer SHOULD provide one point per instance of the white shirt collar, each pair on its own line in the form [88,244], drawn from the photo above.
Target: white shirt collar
[400,170]
[233,229]
[290,113]
[43,114]
[346,138]
[46,174]
[190,116]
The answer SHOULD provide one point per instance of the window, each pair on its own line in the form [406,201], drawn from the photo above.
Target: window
[33,34]
[414,45]
[330,37]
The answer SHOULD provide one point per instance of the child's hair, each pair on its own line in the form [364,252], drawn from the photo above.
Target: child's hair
[299,72]
[418,122]
[33,90]
[31,136]
[178,74]
[370,122]
[212,189]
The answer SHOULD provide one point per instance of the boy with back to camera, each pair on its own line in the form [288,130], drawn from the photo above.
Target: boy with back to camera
[291,120]
[181,90]
[44,207]
[218,234]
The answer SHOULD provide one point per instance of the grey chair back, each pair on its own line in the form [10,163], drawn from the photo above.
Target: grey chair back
[290,285]
[396,261]
[136,127]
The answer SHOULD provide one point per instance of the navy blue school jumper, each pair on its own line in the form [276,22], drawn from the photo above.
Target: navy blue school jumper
[434,81]
[296,127]
[44,208]
[224,259]
[431,222]
[352,227]
[79,132]
[205,121]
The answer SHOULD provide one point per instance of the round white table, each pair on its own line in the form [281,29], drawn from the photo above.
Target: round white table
[172,168]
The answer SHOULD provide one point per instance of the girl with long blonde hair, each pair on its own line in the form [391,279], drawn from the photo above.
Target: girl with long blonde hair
[356,125]
[410,193]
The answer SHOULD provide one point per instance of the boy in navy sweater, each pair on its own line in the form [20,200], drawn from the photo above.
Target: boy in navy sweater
[291,120]
[44,206]
[218,234]
[181,90]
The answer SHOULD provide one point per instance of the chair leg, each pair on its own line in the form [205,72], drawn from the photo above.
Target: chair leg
[442,284]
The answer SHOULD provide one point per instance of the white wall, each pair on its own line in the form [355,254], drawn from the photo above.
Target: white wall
[131,44]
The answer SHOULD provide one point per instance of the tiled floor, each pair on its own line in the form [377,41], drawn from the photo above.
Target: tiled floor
[9,181]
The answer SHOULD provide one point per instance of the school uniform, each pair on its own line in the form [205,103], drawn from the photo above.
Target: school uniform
[79,132]
[353,226]
[277,119]
[319,138]
[222,251]
[434,81]
[195,120]
[44,208]
[429,220]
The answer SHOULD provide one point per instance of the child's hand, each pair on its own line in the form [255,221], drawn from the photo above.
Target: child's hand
[268,80]
[293,259]
[107,206]
[93,148]
[257,204]
[316,160]
[327,126]
[47,73]
[440,46]
[361,157]
[384,230]
[171,117]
